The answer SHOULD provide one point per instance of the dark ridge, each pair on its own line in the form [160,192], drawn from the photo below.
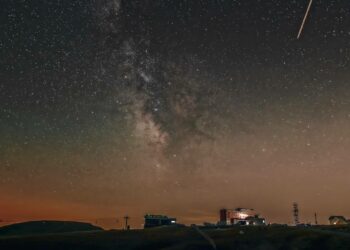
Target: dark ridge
[46,227]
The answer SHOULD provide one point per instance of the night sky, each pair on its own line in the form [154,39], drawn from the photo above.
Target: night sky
[178,107]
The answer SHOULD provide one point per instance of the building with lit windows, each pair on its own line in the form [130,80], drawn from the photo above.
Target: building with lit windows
[240,216]
[158,220]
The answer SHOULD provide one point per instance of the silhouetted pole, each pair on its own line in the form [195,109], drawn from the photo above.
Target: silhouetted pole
[316,223]
[126,218]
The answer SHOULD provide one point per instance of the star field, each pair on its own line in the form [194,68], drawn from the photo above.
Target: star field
[181,107]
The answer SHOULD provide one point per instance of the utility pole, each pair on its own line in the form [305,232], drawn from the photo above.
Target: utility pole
[126,218]
[316,223]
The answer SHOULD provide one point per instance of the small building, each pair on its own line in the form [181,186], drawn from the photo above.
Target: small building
[338,220]
[240,216]
[158,220]
[252,221]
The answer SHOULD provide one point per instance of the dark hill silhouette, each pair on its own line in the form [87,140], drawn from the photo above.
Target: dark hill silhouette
[46,227]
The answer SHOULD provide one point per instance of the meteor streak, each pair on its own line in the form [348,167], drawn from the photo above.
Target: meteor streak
[304,20]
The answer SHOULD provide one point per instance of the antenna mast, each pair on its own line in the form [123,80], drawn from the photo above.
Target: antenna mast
[296,213]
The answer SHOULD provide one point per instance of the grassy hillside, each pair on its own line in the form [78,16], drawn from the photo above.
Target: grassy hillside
[281,238]
[45,227]
[187,238]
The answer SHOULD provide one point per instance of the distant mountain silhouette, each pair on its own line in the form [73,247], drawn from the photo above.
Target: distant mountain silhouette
[46,227]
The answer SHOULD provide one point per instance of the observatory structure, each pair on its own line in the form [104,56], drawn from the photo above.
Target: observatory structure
[240,216]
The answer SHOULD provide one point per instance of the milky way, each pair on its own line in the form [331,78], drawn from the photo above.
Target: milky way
[180,107]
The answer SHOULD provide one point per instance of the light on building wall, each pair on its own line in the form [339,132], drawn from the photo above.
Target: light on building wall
[242,215]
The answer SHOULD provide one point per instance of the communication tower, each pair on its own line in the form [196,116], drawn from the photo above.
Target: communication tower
[296,213]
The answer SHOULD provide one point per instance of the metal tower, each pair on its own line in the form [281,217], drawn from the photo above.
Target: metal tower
[296,213]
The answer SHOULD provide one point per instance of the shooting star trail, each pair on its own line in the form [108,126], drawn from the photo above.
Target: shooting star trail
[304,20]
